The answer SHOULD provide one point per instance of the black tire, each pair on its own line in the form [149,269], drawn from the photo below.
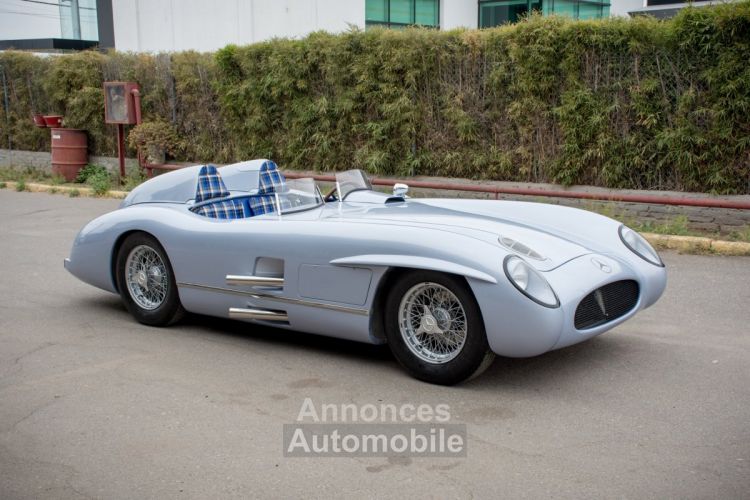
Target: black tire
[471,359]
[169,309]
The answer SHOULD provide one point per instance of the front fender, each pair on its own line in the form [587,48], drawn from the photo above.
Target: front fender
[414,262]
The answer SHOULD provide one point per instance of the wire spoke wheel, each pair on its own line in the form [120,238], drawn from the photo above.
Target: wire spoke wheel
[146,277]
[432,322]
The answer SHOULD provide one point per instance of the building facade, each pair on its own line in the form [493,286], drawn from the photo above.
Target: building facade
[168,25]
[175,25]
[56,24]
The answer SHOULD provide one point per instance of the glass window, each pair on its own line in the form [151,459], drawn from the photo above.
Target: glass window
[588,10]
[426,13]
[80,24]
[400,13]
[497,12]
[565,8]
[505,11]
[376,10]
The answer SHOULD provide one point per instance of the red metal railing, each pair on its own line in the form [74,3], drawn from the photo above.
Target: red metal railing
[553,193]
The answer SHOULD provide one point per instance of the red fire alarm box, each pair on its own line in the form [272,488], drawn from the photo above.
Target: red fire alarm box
[119,102]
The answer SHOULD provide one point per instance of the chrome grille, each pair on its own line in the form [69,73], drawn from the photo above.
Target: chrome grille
[606,304]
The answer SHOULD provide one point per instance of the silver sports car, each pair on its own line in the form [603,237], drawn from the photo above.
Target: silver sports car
[447,283]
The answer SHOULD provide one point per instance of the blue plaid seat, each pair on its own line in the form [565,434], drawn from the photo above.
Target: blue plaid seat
[270,181]
[226,209]
[210,185]
[262,204]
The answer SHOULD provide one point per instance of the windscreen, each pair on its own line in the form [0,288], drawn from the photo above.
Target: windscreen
[299,195]
[351,180]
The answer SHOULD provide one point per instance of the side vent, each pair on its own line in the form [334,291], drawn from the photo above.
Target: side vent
[259,314]
[264,281]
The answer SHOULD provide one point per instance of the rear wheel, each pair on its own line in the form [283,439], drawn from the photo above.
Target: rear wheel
[146,281]
[435,329]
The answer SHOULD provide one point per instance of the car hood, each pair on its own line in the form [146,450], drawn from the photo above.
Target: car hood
[559,234]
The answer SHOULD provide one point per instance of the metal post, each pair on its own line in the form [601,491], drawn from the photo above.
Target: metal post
[137,104]
[121,149]
[7,116]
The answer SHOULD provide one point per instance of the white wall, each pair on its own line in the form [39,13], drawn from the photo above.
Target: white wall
[23,20]
[206,25]
[459,14]
[622,7]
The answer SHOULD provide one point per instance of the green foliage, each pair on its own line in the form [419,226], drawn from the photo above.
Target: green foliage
[100,183]
[627,103]
[156,134]
[3,185]
[74,193]
[97,177]
[676,226]
[21,185]
[741,234]
[89,171]
[56,180]
[133,178]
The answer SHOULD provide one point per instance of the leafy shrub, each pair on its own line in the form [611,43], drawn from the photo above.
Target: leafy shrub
[3,185]
[156,134]
[89,171]
[628,103]
[74,193]
[97,177]
[100,182]
[133,178]
[21,185]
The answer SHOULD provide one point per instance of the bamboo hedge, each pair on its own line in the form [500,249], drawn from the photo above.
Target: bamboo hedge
[626,103]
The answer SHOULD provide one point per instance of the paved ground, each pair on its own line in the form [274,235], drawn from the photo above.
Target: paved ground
[94,405]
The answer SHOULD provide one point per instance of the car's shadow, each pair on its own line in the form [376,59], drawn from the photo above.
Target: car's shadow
[561,366]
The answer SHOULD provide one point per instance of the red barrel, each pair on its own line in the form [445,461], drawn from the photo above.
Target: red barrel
[69,152]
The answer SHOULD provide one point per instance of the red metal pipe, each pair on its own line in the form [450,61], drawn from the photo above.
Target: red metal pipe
[121,150]
[496,190]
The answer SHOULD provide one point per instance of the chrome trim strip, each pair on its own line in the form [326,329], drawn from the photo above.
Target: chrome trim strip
[235,280]
[267,296]
[238,313]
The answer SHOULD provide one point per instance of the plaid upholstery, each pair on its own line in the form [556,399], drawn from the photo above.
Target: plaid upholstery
[210,185]
[262,204]
[271,180]
[227,209]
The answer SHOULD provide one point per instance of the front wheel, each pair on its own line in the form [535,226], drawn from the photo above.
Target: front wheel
[435,329]
[146,281]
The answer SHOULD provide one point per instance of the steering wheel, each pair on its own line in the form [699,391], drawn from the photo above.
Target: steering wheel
[331,196]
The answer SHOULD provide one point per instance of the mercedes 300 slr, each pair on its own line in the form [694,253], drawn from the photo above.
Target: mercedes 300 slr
[447,283]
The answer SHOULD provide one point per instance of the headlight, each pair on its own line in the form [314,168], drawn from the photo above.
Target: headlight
[529,282]
[639,246]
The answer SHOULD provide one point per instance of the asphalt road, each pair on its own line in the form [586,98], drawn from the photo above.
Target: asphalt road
[94,405]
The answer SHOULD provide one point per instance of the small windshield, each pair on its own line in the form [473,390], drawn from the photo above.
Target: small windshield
[299,195]
[351,180]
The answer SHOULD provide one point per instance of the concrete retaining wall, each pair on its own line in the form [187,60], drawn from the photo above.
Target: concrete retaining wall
[702,219]
[42,160]
[722,220]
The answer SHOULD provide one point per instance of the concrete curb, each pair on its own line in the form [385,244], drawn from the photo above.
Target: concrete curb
[82,191]
[697,244]
[683,244]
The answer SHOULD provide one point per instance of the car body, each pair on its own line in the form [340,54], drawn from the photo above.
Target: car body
[326,269]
